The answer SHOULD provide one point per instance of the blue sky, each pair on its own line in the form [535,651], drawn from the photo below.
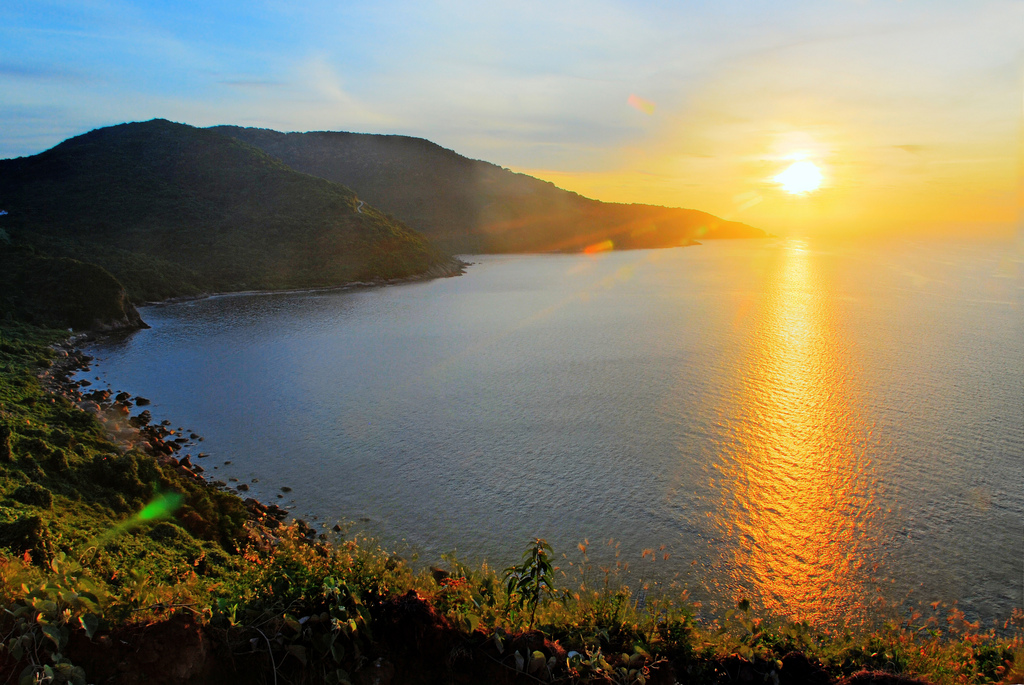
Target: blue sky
[875,89]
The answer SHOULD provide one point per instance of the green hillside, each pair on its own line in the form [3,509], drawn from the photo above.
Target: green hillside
[173,210]
[61,292]
[465,205]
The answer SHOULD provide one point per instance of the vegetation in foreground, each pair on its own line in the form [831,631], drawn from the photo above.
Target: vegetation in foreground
[119,566]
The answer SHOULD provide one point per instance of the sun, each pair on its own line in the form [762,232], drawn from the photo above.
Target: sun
[801,177]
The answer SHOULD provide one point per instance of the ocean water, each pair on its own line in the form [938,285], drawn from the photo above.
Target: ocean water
[811,425]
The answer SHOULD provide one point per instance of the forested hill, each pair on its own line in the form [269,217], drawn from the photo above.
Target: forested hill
[465,205]
[171,209]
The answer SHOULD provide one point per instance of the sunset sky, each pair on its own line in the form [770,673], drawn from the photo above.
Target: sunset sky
[912,110]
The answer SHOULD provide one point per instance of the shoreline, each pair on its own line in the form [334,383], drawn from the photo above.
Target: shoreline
[112,408]
[457,267]
[158,441]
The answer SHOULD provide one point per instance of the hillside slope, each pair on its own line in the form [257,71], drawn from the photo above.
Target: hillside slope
[61,292]
[465,205]
[171,210]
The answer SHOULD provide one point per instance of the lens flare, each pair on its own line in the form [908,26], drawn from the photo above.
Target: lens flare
[801,177]
[159,507]
[603,246]
[637,102]
[163,505]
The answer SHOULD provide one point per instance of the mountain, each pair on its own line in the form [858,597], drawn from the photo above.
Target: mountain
[465,205]
[62,293]
[171,210]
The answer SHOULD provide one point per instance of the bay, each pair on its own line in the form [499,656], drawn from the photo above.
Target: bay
[812,425]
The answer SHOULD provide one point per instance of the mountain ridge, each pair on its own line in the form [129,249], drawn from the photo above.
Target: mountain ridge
[174,210]
[466,205]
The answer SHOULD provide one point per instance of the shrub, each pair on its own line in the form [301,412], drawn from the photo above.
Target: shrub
[34,495]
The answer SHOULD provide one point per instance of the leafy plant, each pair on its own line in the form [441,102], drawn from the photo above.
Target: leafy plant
[44,616]
[528,581]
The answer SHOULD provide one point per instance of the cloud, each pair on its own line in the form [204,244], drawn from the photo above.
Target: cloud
[39,72]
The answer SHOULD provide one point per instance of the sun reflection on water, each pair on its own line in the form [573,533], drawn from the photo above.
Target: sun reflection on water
[800,511]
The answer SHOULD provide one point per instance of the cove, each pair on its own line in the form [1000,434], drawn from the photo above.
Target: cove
[807,424]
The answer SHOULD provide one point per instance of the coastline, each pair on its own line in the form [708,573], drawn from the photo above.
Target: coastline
[429,613]
[129,426]
[113,408]
[159,441]
[456,267]
[264,530]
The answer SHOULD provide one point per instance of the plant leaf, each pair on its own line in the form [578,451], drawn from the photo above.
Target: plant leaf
[90,623]
[299,652]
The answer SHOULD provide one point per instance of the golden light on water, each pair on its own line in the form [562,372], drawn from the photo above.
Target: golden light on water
[800,510]
[800,177]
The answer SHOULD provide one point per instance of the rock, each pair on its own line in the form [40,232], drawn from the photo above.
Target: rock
[141,401]
[204,455]
[193,436]
[227,463]
[121,397]
[243,487]
[186,461]
[285,488]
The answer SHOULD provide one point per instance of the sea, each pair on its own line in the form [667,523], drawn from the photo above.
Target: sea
[833,430]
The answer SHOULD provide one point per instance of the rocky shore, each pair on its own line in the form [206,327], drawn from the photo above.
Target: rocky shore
[130,426]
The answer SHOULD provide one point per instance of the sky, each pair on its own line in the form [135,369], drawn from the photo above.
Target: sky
[911,110]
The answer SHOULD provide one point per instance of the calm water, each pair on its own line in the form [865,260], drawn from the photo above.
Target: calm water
[807,425]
